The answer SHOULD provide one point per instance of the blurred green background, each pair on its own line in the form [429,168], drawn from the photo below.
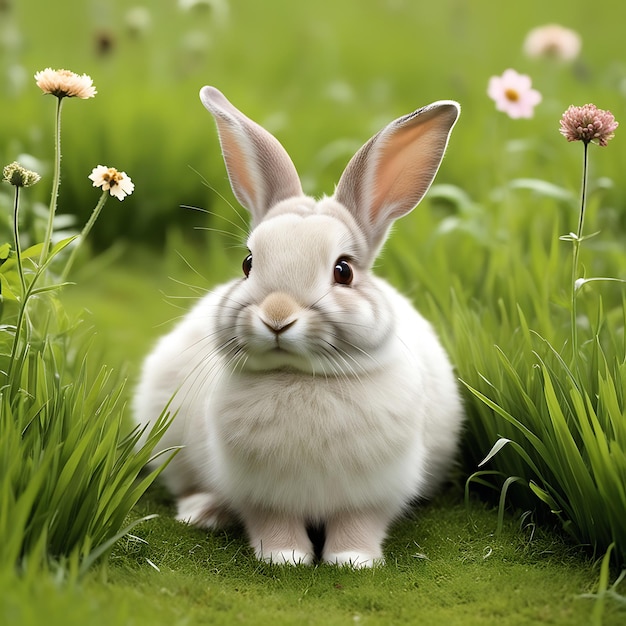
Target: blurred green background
[323,76]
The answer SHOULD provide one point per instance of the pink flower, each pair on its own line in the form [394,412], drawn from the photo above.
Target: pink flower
[513,94]
[588,124]
[553,40]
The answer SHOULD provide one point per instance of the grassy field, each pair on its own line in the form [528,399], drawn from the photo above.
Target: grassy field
[481,257]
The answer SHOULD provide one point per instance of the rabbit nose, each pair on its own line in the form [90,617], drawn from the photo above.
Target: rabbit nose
[278,312]
[277,327]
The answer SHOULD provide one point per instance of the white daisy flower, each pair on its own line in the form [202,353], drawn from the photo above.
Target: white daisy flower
[118,184]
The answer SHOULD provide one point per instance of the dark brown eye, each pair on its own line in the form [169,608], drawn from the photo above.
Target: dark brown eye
[343,272]
[246,266]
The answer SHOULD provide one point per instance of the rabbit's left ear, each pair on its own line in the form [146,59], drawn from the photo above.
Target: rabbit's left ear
[391,173]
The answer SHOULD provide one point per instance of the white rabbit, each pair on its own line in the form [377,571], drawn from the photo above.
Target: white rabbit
[308,391]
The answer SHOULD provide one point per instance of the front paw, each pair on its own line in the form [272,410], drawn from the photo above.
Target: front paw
[202,509]
[285,557]
[355,560]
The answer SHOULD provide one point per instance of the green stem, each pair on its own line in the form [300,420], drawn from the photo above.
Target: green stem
[22,317]
[83,235]
[25,292]
[16,236]
[575,255]
[56,181]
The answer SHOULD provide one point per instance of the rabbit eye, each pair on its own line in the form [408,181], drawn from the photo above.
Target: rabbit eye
[343,272]
[246,266]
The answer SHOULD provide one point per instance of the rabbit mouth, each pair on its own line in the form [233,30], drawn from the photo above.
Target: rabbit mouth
[278,356]
[280,350]
[284,352]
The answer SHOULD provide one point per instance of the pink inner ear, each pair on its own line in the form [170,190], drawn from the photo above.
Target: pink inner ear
[405,168]
[260,170]
[237,165]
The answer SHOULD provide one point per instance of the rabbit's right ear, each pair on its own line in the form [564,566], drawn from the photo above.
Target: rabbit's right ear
[260,171]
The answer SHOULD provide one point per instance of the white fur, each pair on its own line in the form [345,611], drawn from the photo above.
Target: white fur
[299,400]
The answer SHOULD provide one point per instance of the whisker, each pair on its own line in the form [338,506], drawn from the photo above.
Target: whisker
[243,232]
[353,346]
[349,361]
[219,231]
[184,259]
[208,367]
[235,210]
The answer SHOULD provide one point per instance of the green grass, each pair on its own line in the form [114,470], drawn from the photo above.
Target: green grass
[323,76]
[443,566]
[528,574]
[438,562]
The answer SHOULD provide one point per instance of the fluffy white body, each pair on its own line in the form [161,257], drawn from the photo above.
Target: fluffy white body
[309,391]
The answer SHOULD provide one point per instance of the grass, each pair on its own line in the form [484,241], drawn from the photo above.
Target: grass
[443,566]
[322,76]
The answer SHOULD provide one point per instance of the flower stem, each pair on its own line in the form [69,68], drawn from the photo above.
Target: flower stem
[576,241]
[25,292]
[21,315]
[16,236]
[83,235]
[56,181]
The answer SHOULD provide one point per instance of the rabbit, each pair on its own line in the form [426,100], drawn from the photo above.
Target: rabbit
[309,392]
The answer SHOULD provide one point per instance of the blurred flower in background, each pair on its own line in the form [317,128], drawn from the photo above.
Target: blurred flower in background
[513,94]
[553,41]
[219,9]
[138,21]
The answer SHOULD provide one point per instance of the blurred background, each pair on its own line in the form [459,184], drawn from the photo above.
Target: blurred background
[323,76]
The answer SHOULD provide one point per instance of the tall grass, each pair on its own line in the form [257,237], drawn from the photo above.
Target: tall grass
[547,425]
[573,443]
[69,467]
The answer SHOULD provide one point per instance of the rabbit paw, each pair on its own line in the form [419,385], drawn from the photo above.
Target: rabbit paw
[202,509]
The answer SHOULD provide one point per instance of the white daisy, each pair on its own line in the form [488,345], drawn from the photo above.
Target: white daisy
[118,184]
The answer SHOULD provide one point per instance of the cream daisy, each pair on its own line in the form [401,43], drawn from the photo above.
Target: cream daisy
[63,83]
[118,184]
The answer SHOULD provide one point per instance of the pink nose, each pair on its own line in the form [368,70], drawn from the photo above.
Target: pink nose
[277,326]
[279,312]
